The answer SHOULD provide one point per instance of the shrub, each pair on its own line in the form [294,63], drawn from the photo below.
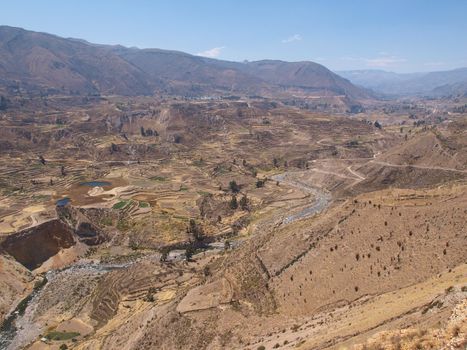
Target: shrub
[233,203]
[234,186]
[244,203]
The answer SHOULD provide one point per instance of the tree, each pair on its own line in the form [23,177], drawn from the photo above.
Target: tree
[189,251]
[113,148]
[3,103]
[377,125]
[234,186]
[233,203]
[259,183]
[195,230]
[164,255]
[275,162]
[244,202]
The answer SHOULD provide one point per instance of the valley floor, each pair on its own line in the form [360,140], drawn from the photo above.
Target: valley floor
[149,224]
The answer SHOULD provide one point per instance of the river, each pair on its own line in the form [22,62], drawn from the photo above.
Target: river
[16,330]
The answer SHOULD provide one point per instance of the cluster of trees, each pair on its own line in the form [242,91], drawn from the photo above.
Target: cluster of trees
[148,132]
[460,109]
[234,204]
[243,203]
[195,230]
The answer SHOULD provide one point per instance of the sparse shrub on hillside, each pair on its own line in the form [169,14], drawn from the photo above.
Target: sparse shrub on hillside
[261,347]
[259,183]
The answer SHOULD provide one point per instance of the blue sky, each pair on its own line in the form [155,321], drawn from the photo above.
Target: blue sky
[395,35]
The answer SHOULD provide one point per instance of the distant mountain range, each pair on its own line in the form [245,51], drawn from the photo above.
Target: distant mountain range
[39,62]
[432,84]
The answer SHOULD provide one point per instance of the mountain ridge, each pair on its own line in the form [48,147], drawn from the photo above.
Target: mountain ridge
[41,61]
[430,84]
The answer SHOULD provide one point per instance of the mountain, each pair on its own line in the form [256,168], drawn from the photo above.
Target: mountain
[182,73]
[305,75]
[456,89]
[433,84]
[40,62]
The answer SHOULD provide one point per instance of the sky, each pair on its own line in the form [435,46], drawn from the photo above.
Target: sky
[394,35]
